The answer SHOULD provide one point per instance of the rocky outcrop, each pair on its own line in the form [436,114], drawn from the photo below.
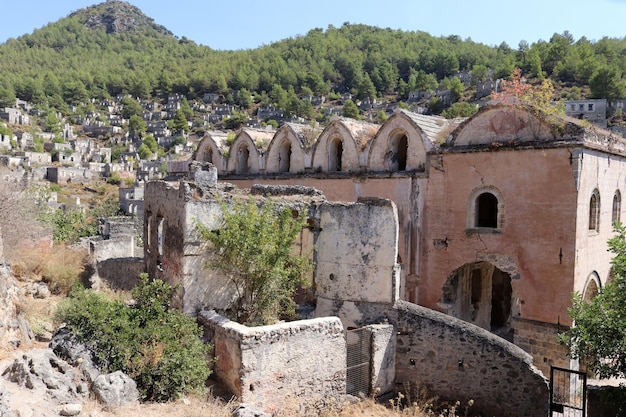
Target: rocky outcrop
[42,371]
[14,329]
[115,390]
[62,377]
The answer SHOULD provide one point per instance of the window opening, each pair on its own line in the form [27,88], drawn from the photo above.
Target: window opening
[487,210]
[160,236]
[244,155]
[399,151]
[336,154]
[617,207]
[594,211]
[284,157]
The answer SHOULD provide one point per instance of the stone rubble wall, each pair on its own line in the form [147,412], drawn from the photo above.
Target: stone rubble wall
[541,341]
[277,366]
[458,361]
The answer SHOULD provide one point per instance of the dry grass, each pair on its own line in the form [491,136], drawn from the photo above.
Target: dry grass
[187,407]
[59,266]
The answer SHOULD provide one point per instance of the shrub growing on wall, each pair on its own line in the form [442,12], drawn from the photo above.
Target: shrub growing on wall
[253,248]
[159,347]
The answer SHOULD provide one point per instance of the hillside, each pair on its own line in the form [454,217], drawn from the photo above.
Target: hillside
[112,48]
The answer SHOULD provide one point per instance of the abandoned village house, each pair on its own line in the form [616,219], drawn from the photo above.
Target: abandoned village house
[494,220]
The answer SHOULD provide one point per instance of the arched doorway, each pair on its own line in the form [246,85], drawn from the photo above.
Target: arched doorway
[208,155]
[335,155]
[398,152]
[481,294]
[284,156]
[242,159]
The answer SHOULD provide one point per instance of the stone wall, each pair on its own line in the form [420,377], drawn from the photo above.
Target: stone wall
[383,361]
[120,247]
[357,248]
[120,273]
[541,341]
[458,361]
[277,366]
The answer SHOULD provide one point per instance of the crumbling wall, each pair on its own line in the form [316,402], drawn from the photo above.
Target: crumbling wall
[120,247]
[164,232]
[383,361]
[272,367]
[458,361]
[357,248]
[120,273]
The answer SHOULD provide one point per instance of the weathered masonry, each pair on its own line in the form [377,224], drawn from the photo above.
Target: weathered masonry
[375,341]
[500,216]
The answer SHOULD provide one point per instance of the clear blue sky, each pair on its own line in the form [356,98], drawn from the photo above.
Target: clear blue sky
[243,24]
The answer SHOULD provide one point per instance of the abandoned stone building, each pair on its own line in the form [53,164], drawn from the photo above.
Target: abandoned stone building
[501,216]
[374,344]
[498,218]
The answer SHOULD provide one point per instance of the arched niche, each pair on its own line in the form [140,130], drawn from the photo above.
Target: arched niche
[592,287]
[400,145]
[504,124]
[244,156]
[336,150]
[285,153]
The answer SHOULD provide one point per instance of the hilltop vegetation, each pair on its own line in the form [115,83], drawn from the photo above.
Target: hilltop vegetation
[114,48]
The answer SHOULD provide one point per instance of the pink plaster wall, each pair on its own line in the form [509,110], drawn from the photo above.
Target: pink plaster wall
[538,223]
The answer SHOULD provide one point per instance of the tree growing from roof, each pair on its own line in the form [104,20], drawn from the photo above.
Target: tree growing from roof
[598,336]
[517,91]
[253,248]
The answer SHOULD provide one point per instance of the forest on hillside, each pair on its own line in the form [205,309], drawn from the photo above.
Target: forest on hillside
[72,60]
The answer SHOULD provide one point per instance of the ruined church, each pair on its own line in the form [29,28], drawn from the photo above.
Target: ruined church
[495,219]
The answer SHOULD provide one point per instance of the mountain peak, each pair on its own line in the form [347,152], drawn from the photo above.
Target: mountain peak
[116,16]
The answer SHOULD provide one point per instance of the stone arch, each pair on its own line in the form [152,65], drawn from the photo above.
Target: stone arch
[336,148]
[244,155]
[485,209]
[209,151]
[482,294]
[387,149]
[501,123]
[592,287]
[285,153]
[335,154]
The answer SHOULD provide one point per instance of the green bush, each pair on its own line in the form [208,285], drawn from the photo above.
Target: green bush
[159,347]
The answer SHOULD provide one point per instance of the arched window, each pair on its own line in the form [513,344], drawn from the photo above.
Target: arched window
[594,211]
[284,156]
[592,287]
[486,210]
[208,155]
[398,153]
[617,207]
[335,155]
[242,159]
